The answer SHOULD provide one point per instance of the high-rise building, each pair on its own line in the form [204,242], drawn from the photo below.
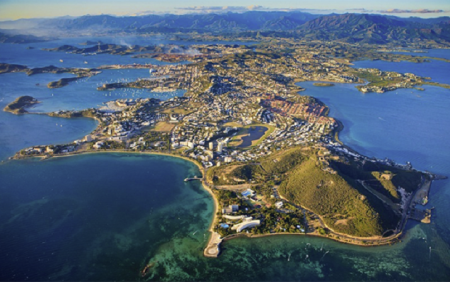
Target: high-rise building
[219,147]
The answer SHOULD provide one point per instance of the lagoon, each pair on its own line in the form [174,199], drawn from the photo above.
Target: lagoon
[253,133]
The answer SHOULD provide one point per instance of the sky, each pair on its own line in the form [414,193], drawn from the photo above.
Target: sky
[16,9]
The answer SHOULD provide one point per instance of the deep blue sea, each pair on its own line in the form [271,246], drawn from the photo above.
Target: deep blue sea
[105,216]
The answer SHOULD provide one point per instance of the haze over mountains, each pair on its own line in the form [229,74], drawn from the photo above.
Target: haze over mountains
[345,27]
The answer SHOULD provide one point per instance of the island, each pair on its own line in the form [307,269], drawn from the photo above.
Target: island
[323,84]
[269,156]
[79,72]
[19,105]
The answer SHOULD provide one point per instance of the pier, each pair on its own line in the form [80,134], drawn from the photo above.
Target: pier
[193,178]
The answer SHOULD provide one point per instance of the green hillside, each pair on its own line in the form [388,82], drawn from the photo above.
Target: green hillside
[342,207]
[352,197]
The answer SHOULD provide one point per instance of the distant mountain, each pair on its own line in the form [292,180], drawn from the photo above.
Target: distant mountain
[426,21]
[204,22]
[19,38]
[365,28]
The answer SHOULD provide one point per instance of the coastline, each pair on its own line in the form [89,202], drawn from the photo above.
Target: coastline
[244,235]
[212,247]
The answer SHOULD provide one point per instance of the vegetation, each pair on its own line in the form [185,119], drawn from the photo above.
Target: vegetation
[62,82]
[342,207]
[375,79]
[437,84]
[163,126]
[18,106]
[385,179]
[331,191]
[271,168]
[274,221]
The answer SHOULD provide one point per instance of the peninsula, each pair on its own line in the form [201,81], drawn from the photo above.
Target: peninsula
[269,156]
[19,105]
[79,72]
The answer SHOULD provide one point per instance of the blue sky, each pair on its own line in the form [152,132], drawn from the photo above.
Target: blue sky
[15,9]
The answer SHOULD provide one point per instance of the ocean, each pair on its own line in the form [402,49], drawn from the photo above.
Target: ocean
[106,216]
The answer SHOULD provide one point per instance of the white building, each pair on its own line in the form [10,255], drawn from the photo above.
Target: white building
[219,147]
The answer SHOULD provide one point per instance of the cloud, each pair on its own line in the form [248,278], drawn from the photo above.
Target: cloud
[359,10]
[419,11]
[210,9]
[236,9]
[145,13]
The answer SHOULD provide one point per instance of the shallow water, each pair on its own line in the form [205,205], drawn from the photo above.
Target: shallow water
[96,217]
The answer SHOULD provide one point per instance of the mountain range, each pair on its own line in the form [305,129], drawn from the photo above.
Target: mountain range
[346,27]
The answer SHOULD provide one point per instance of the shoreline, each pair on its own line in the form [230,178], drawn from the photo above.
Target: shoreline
[212,248]
[244,235]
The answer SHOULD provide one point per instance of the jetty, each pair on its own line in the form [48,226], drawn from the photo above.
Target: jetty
[193,178]
[212,250]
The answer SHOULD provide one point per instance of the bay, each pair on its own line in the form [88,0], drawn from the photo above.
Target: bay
[97,217]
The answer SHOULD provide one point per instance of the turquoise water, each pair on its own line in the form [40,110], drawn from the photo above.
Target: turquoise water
[96,217]
[106,216]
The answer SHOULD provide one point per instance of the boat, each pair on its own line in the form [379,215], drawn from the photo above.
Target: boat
[61,61]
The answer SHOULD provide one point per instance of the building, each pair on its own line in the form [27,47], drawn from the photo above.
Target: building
[98,145]
[247,223]
[230,209]
[279,204]
[219,147]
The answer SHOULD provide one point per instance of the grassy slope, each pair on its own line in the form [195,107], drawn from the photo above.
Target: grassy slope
[343,203]
[330,196]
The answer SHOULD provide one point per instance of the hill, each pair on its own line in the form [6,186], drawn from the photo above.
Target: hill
[355,198]
[351,28]
[19,38]
[372,29]
[189,22]
[18,106]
